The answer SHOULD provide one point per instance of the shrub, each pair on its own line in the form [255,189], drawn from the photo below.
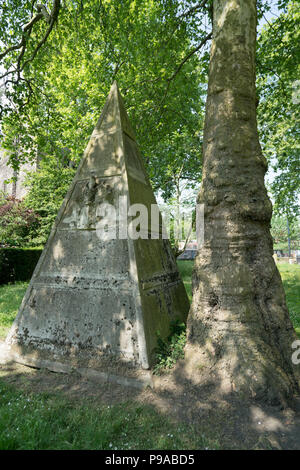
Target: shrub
[18,223]
[170,351]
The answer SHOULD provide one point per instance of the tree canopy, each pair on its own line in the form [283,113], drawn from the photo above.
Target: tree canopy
[54,102]
[59,59]
[278,112]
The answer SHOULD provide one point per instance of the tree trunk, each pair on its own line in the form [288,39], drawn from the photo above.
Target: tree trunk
[239,327]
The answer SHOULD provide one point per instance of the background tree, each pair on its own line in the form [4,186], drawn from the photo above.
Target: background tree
[48,188]
[278,112]
[150,48]
[280,234]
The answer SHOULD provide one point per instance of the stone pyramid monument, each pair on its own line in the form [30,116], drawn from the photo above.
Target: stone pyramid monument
[95,300]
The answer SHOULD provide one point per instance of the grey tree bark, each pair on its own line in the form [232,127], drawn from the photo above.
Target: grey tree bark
[239,330]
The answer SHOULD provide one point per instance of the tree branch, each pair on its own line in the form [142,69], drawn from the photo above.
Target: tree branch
[52,20]
[177,70]
[192,52]
[42,13]
[184,15]
[117,68]
[195,8]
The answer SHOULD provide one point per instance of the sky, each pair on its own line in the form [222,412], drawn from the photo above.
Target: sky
[273,13]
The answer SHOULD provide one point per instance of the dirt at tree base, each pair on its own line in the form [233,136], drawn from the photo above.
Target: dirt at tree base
[234,422]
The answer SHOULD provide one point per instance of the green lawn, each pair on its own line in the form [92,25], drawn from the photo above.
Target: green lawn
[186,268]
[10,299]
[52,421]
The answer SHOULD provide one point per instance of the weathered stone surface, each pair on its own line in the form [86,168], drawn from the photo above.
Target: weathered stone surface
[141,379]
[91,299]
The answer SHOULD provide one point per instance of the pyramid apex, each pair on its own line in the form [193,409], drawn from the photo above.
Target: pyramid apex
[114,115]
[119,109]
[114,86]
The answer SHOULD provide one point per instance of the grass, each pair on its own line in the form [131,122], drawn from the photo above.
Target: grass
[169,351]
[10,299]
[186,268]
[50,421]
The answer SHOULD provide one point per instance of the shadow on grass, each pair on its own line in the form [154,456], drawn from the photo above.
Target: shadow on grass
[74,414]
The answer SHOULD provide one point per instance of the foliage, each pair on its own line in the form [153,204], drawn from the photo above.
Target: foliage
[146,46]
[278,84]
[19,223]
[49,421]
[279,231]
[181,157]
[171,350]
[17,264]
[47,189]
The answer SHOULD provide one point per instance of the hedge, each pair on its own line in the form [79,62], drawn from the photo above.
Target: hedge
[17,264]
